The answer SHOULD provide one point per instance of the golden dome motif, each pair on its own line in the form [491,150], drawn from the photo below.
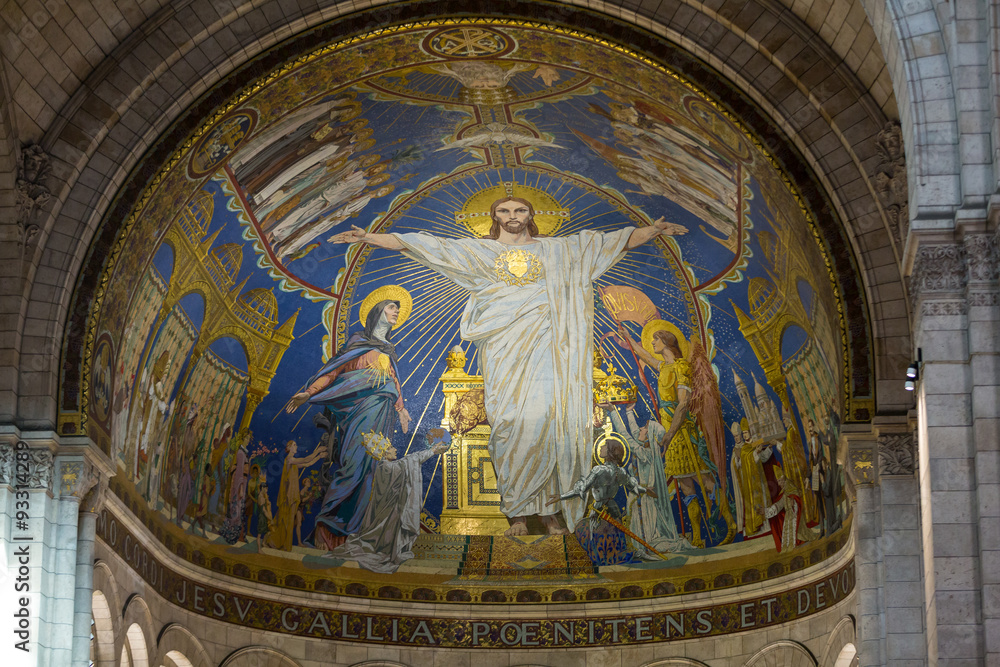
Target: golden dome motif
[763,298]
[224,263]
[197,215]
[258,308]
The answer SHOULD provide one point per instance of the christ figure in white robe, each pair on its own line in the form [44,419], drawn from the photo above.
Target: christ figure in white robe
[531,315]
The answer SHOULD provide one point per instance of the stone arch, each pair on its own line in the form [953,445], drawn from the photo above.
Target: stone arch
[176,639]
[258,656]
[104,631]
[921,82]
[675,662]
[783,653]
[848,656]
[104,582]
[844,633]
[382,663]
[136,646]
[137,623]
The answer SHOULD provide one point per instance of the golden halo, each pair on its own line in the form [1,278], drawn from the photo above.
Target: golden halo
[613,436]
[662,325]
[390,293]
[549,213]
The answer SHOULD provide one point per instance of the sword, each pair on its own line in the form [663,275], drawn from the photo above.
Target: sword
[620,526]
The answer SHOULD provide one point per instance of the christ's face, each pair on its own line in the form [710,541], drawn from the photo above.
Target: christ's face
[513,216]
[391,313]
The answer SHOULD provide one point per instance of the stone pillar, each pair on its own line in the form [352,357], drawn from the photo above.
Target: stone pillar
[860,467]
[948,401]
[901,548]
[26,471]
[984,356]
[90,506]
[42,525]
[881,464]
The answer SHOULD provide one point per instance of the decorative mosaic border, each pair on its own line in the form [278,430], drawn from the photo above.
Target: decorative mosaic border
[322,621]
[619,584]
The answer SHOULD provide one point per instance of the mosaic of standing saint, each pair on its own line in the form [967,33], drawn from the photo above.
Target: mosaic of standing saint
[482,301]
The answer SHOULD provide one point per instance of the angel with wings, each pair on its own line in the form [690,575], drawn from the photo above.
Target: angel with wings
[690,408]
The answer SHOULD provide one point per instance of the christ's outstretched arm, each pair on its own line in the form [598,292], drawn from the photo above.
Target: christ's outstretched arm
[659,228]
[358,235]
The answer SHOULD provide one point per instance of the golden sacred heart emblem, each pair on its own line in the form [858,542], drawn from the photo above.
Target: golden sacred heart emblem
[518,265]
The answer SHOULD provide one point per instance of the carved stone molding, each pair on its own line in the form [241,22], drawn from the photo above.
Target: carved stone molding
[945,307]
[6,464]
[984,299]
[890,179]
[938,268]
[983,258]
[896,455]
[32,193]
[39,467]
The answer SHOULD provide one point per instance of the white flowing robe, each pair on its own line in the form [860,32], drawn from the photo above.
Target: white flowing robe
[535,345]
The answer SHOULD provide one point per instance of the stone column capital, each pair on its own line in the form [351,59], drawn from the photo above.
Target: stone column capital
[25,467]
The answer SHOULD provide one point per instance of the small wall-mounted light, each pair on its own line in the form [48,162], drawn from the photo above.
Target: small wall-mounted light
[913,372]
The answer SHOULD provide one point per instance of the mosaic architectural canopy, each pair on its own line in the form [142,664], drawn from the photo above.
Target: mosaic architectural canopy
[410,291]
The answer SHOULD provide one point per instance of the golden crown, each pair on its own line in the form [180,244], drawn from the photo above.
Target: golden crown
[376,444]
[614,388]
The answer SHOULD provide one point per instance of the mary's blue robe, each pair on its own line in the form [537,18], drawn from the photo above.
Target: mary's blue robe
[361,401]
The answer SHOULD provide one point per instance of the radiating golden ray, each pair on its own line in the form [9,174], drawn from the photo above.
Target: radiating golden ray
[387,110]
[310,328]
[397,272]
[399,263]
[441,218]
[627,272]
[580,225]
[447,317]
[416,316]
[416,428]
[570,203]
[457,201]
[453,233]
[632,279]
[437,464]
[443,221]
[433,304]
[308,410]
[429,305]
[432,280]
[441,354]
[446,203]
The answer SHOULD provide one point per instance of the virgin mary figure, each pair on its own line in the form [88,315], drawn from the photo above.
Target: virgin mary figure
[360,392]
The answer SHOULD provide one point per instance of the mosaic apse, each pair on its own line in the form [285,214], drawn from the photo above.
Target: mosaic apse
[661,364]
